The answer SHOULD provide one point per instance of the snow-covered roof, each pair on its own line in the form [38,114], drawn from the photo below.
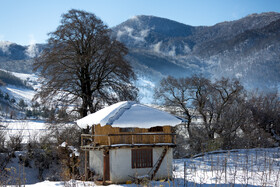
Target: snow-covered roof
[129,114]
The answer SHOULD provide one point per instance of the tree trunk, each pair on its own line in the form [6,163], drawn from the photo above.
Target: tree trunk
[83,110]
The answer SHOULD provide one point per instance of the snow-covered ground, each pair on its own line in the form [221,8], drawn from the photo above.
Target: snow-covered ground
[246,167]
[19,92]
[27,129]
[252,167]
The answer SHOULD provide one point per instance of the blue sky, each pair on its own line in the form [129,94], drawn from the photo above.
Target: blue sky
[28,21]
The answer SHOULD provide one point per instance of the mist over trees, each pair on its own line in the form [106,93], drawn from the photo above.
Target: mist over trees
[83,66]
[221,114]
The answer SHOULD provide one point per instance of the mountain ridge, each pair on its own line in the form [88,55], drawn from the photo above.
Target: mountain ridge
[247,49]
[236,49]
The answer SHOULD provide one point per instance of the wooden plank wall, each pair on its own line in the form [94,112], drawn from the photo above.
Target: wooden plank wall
[144,139]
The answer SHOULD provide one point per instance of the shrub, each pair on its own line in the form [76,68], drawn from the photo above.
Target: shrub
[15,141]
[2,140]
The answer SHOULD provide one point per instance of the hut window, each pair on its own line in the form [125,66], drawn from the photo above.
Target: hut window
[142,158]
[156,129]
[126,129]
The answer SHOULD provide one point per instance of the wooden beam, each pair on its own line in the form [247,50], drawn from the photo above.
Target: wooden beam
[109,140]
[86,165]
[122,134]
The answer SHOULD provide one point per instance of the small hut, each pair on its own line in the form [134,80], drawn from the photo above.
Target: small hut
[129,141]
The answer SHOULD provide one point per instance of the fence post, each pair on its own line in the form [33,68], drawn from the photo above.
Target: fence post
[86,171]
[184,174]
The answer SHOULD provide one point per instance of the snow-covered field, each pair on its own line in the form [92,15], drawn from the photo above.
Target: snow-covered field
[252,167]
[28,129]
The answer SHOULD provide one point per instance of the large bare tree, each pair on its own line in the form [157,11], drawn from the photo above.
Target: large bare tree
[213,101]
[178,93]
[83,66]
[218,103]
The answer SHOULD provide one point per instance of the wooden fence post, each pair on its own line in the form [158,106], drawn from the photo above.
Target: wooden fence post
[86,171]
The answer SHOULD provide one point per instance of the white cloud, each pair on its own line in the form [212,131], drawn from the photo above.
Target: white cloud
[129,32]
[32,49]
[187,49]
[119,34]
[134,18]
[144,33]
[238,75]
[172,52]
[4,46]
[156,47]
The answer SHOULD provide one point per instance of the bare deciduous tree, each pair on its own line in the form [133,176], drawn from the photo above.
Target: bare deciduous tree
[177,93]
[265,109]
[217,104]
[214,100]
[83,65]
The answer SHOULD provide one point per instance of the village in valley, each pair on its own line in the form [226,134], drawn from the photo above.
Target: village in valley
[150,101]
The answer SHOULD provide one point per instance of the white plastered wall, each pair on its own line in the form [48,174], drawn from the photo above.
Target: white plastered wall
[96,162]
[120,165]
[165,170]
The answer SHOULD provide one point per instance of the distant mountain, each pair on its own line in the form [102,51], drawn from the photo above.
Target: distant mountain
[248,49]
[17,58]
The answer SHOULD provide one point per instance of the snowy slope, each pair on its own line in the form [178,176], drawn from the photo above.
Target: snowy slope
[22,93]
[19,93]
